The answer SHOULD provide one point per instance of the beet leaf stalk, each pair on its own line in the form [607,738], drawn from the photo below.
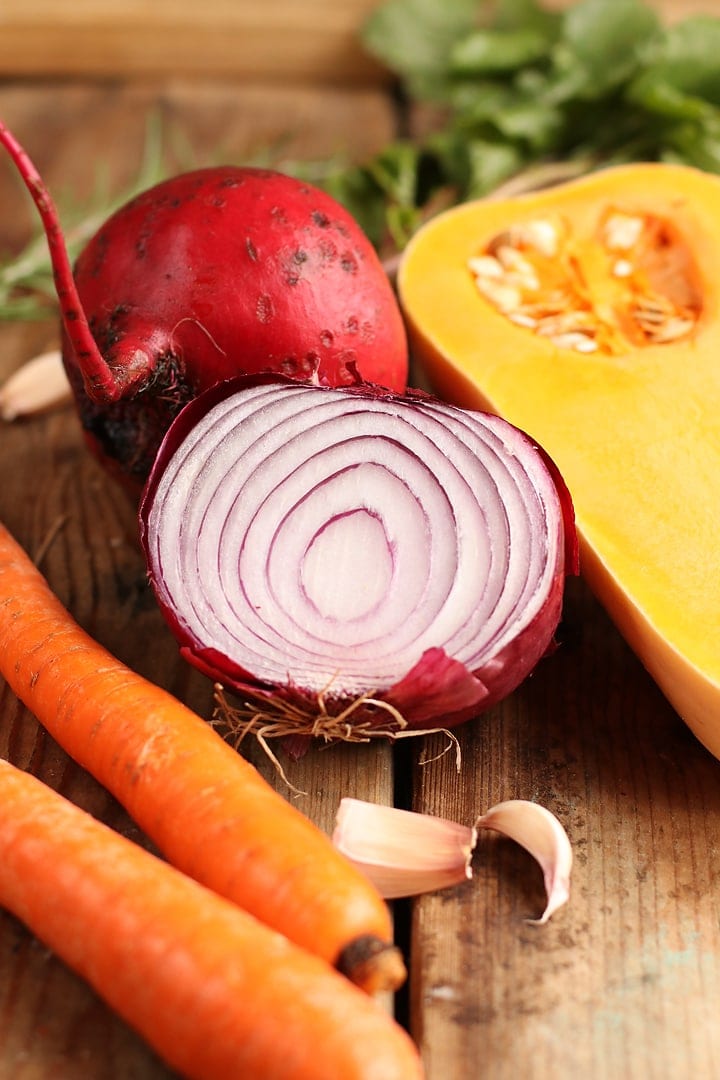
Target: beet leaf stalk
[100,382]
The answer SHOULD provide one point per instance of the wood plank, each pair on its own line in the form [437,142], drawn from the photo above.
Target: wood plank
[315,41]
[51,1024]
[84,136]
[622,981]
[281,40]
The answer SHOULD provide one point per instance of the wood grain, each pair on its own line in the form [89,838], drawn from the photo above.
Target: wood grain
[51,1024]
[279,40]
[623,981]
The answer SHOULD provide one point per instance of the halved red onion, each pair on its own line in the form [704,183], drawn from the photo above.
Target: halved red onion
[393,560]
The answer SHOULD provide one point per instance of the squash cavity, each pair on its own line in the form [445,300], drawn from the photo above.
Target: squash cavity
[631,282]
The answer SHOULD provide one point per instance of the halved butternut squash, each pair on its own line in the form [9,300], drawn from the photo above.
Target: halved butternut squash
[589,315]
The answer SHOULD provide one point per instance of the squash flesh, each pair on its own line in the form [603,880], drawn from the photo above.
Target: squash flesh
[636,434]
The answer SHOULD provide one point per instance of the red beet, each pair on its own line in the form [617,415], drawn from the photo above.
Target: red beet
[207,275]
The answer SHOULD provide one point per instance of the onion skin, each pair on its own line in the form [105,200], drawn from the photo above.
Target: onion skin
[436,688]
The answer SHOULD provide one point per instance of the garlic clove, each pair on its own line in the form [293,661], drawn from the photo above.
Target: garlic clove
[542,835]
[39,385]
[402,852]
[405,853]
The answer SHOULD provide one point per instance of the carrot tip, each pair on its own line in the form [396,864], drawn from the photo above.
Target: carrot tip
[372,964]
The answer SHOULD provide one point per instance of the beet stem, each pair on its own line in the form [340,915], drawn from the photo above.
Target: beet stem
[99,381]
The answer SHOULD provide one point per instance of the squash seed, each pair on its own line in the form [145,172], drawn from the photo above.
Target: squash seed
[622,231]
[505,297]
[486,266]
[579,342]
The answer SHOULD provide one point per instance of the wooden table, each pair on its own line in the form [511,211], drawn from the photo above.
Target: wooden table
[624,981]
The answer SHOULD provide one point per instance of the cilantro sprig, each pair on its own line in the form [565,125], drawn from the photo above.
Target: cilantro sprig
[602,82]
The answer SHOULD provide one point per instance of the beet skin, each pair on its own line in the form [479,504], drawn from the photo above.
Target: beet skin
[224,271]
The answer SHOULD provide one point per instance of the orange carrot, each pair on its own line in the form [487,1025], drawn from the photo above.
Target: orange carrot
[215,992]
[206,808]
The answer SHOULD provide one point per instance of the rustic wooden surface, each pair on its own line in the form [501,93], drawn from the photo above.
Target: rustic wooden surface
[311,41]
[280,39]
[623,981]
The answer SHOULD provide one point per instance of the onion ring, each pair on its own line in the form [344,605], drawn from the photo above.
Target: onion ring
[310,544]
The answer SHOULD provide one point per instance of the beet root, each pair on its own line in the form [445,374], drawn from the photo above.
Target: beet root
[210,274]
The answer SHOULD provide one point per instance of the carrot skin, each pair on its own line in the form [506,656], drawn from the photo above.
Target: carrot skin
[215,992]
[206,808]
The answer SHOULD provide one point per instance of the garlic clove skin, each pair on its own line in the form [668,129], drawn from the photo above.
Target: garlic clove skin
[405,853]
[37,386]
[402,852]
[542,835]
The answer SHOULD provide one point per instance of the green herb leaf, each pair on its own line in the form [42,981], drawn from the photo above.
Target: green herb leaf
[488,52]
[475,166]
[414,38]
[683,65]
[527,15]
[605,40]
[602,81]
[695,144]
[665,100]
